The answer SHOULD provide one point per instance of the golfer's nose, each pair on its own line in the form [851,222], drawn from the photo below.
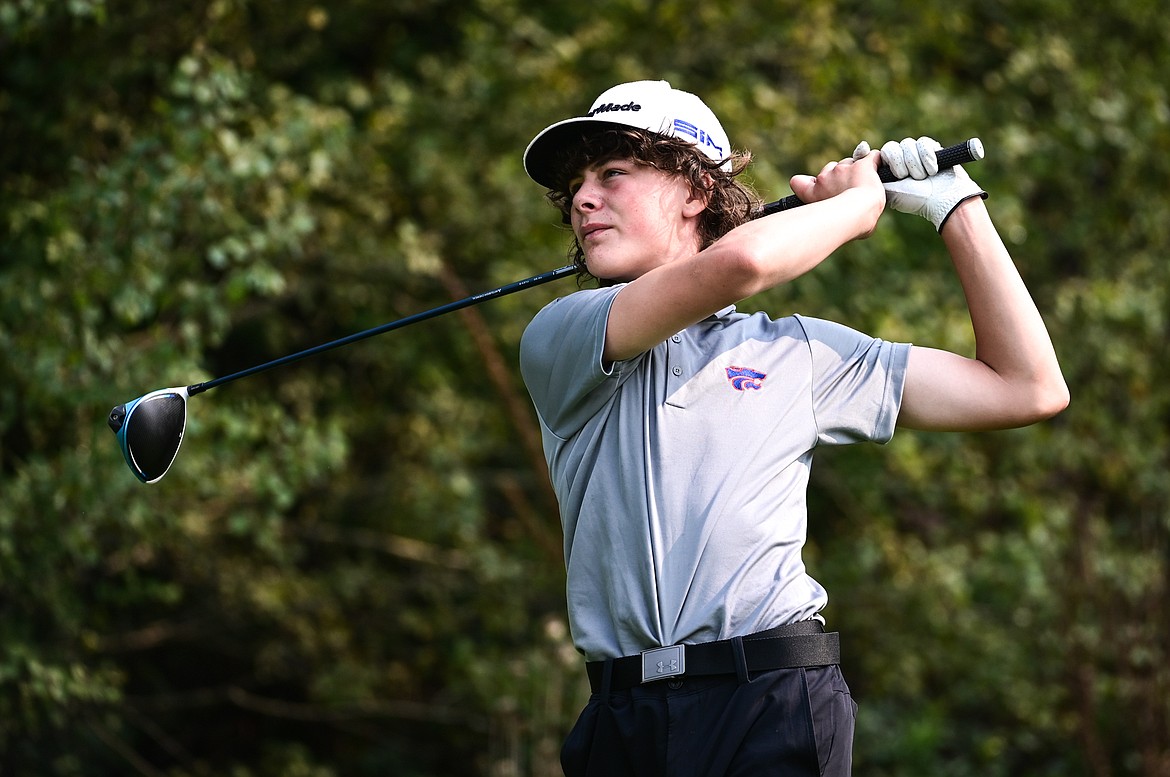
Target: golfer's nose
[587,198]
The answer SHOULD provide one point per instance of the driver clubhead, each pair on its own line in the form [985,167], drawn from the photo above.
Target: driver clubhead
[150,430]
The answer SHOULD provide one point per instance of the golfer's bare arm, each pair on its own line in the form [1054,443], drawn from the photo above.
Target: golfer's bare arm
[845,202]
[1014,378]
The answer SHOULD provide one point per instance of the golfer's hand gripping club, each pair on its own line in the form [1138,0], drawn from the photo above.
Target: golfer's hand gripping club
[923,187]
[945,159]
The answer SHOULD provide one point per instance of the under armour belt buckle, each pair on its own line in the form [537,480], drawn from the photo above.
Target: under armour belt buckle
[661,663]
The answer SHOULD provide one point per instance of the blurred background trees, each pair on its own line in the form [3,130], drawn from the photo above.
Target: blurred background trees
[354,567]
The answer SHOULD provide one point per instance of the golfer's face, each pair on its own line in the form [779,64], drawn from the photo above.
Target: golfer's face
[629,218]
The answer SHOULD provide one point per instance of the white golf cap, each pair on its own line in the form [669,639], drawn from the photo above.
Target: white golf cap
[647,105]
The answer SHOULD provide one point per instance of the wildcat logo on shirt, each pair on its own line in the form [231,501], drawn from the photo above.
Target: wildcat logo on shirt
[744,378]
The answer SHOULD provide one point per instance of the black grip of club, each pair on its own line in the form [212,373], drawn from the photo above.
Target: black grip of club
[958,154]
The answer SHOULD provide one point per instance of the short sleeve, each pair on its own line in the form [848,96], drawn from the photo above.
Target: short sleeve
[857,382]
[561,359]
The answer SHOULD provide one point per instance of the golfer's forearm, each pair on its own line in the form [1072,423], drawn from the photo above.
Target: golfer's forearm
[780,248]
[1010,335]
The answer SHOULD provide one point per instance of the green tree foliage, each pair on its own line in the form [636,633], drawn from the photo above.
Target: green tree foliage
[355,566]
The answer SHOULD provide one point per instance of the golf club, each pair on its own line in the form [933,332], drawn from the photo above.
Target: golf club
[150,428]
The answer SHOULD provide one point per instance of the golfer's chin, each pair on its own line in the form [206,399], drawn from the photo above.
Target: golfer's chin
[608,270]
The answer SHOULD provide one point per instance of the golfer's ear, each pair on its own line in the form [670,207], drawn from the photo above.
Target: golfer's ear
[698,200]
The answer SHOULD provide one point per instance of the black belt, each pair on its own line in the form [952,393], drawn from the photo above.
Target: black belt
[784,647]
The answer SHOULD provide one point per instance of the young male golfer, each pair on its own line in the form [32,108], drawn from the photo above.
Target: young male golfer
[679,432]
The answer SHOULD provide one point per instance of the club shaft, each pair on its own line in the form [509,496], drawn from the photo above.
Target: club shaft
[960,153]
[475,299]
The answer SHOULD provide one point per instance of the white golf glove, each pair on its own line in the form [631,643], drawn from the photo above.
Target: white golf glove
[921,189]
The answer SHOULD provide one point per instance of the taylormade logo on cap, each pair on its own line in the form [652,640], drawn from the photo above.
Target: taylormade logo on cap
[653,106]
[611,107]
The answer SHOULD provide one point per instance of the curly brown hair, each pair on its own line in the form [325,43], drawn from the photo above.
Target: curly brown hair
[730,201]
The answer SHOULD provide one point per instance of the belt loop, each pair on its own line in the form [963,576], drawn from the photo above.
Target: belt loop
[741,667]
[606,679]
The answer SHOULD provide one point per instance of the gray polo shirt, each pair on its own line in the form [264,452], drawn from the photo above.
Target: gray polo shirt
[681,473]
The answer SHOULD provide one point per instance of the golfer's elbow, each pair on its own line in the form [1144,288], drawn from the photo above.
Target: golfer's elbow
[746,273]
[1044,398]
[1057,398]
[745,265]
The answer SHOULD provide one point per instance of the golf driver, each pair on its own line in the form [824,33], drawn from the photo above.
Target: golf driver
[150,428]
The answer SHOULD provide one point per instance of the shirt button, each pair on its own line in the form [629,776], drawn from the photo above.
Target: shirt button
[677,371]
[674,685]
[677,338]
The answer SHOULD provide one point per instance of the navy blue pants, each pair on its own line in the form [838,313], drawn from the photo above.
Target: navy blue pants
[782,723]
